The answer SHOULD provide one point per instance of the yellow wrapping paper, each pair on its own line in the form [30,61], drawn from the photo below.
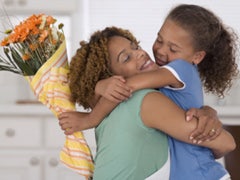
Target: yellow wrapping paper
[50,86]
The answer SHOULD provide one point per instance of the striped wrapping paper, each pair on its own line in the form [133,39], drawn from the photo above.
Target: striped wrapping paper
[50,86]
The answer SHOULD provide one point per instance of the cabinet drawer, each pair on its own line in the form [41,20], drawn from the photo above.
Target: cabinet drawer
[54,137]
[20,166]
[20,132]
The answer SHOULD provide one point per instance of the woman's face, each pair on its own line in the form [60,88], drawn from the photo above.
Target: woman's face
[127,58]
[173,42]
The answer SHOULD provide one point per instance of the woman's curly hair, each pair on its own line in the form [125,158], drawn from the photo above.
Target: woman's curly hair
[91,63]
[219,66]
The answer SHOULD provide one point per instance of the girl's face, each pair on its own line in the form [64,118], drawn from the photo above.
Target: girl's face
[127,58]
[173,42]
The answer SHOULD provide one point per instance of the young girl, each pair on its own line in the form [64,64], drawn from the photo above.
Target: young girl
[196,35]
[130,141]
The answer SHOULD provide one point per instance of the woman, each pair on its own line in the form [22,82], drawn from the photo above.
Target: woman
[129,143]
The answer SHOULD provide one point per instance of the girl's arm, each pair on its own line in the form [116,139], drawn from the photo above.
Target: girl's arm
[153,79]
[114,89]
[158,78]
[169,118]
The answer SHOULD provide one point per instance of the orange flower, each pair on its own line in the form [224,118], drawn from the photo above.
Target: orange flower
[25,57]
[53,41]
[50,20]
[33,47]
[5,42]
[30,27]
[33,39]
[43,35]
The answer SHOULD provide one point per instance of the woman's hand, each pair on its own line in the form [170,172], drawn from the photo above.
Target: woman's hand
[71,122]
[209,126]
[114,89]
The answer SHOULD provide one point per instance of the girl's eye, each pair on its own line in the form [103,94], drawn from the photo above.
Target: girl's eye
[173,50]
[159,41]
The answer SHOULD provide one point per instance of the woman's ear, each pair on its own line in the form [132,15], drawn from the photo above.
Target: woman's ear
[198,57]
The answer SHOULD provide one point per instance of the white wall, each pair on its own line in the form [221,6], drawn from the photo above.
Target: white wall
[144,17]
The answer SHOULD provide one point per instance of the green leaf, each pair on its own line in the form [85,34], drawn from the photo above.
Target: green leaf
[21,64]
[6,51]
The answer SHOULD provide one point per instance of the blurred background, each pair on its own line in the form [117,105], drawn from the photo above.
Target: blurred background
[30,138]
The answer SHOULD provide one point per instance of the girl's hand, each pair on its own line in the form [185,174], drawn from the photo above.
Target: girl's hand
[114,89]
[209,126]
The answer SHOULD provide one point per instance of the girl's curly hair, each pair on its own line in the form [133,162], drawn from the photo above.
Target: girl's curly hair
[91,63]
[219,66]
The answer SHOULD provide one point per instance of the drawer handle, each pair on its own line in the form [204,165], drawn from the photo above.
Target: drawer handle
[10,132]
[53,162]
[34,161]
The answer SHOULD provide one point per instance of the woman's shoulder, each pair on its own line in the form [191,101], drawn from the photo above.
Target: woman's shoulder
[139,95]
[135,102]
[143,92]
[141,98]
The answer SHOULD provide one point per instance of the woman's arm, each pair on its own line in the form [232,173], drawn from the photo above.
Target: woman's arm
[159,112]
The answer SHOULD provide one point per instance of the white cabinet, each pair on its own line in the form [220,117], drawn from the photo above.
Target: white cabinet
[54,170]
[20,165]
[30,143]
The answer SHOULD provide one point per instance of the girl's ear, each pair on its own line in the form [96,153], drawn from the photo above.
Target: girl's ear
[198,57]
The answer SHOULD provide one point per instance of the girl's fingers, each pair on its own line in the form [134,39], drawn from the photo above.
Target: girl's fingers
[122,79]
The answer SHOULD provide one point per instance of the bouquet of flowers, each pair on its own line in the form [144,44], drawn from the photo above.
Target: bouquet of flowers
[36,49]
